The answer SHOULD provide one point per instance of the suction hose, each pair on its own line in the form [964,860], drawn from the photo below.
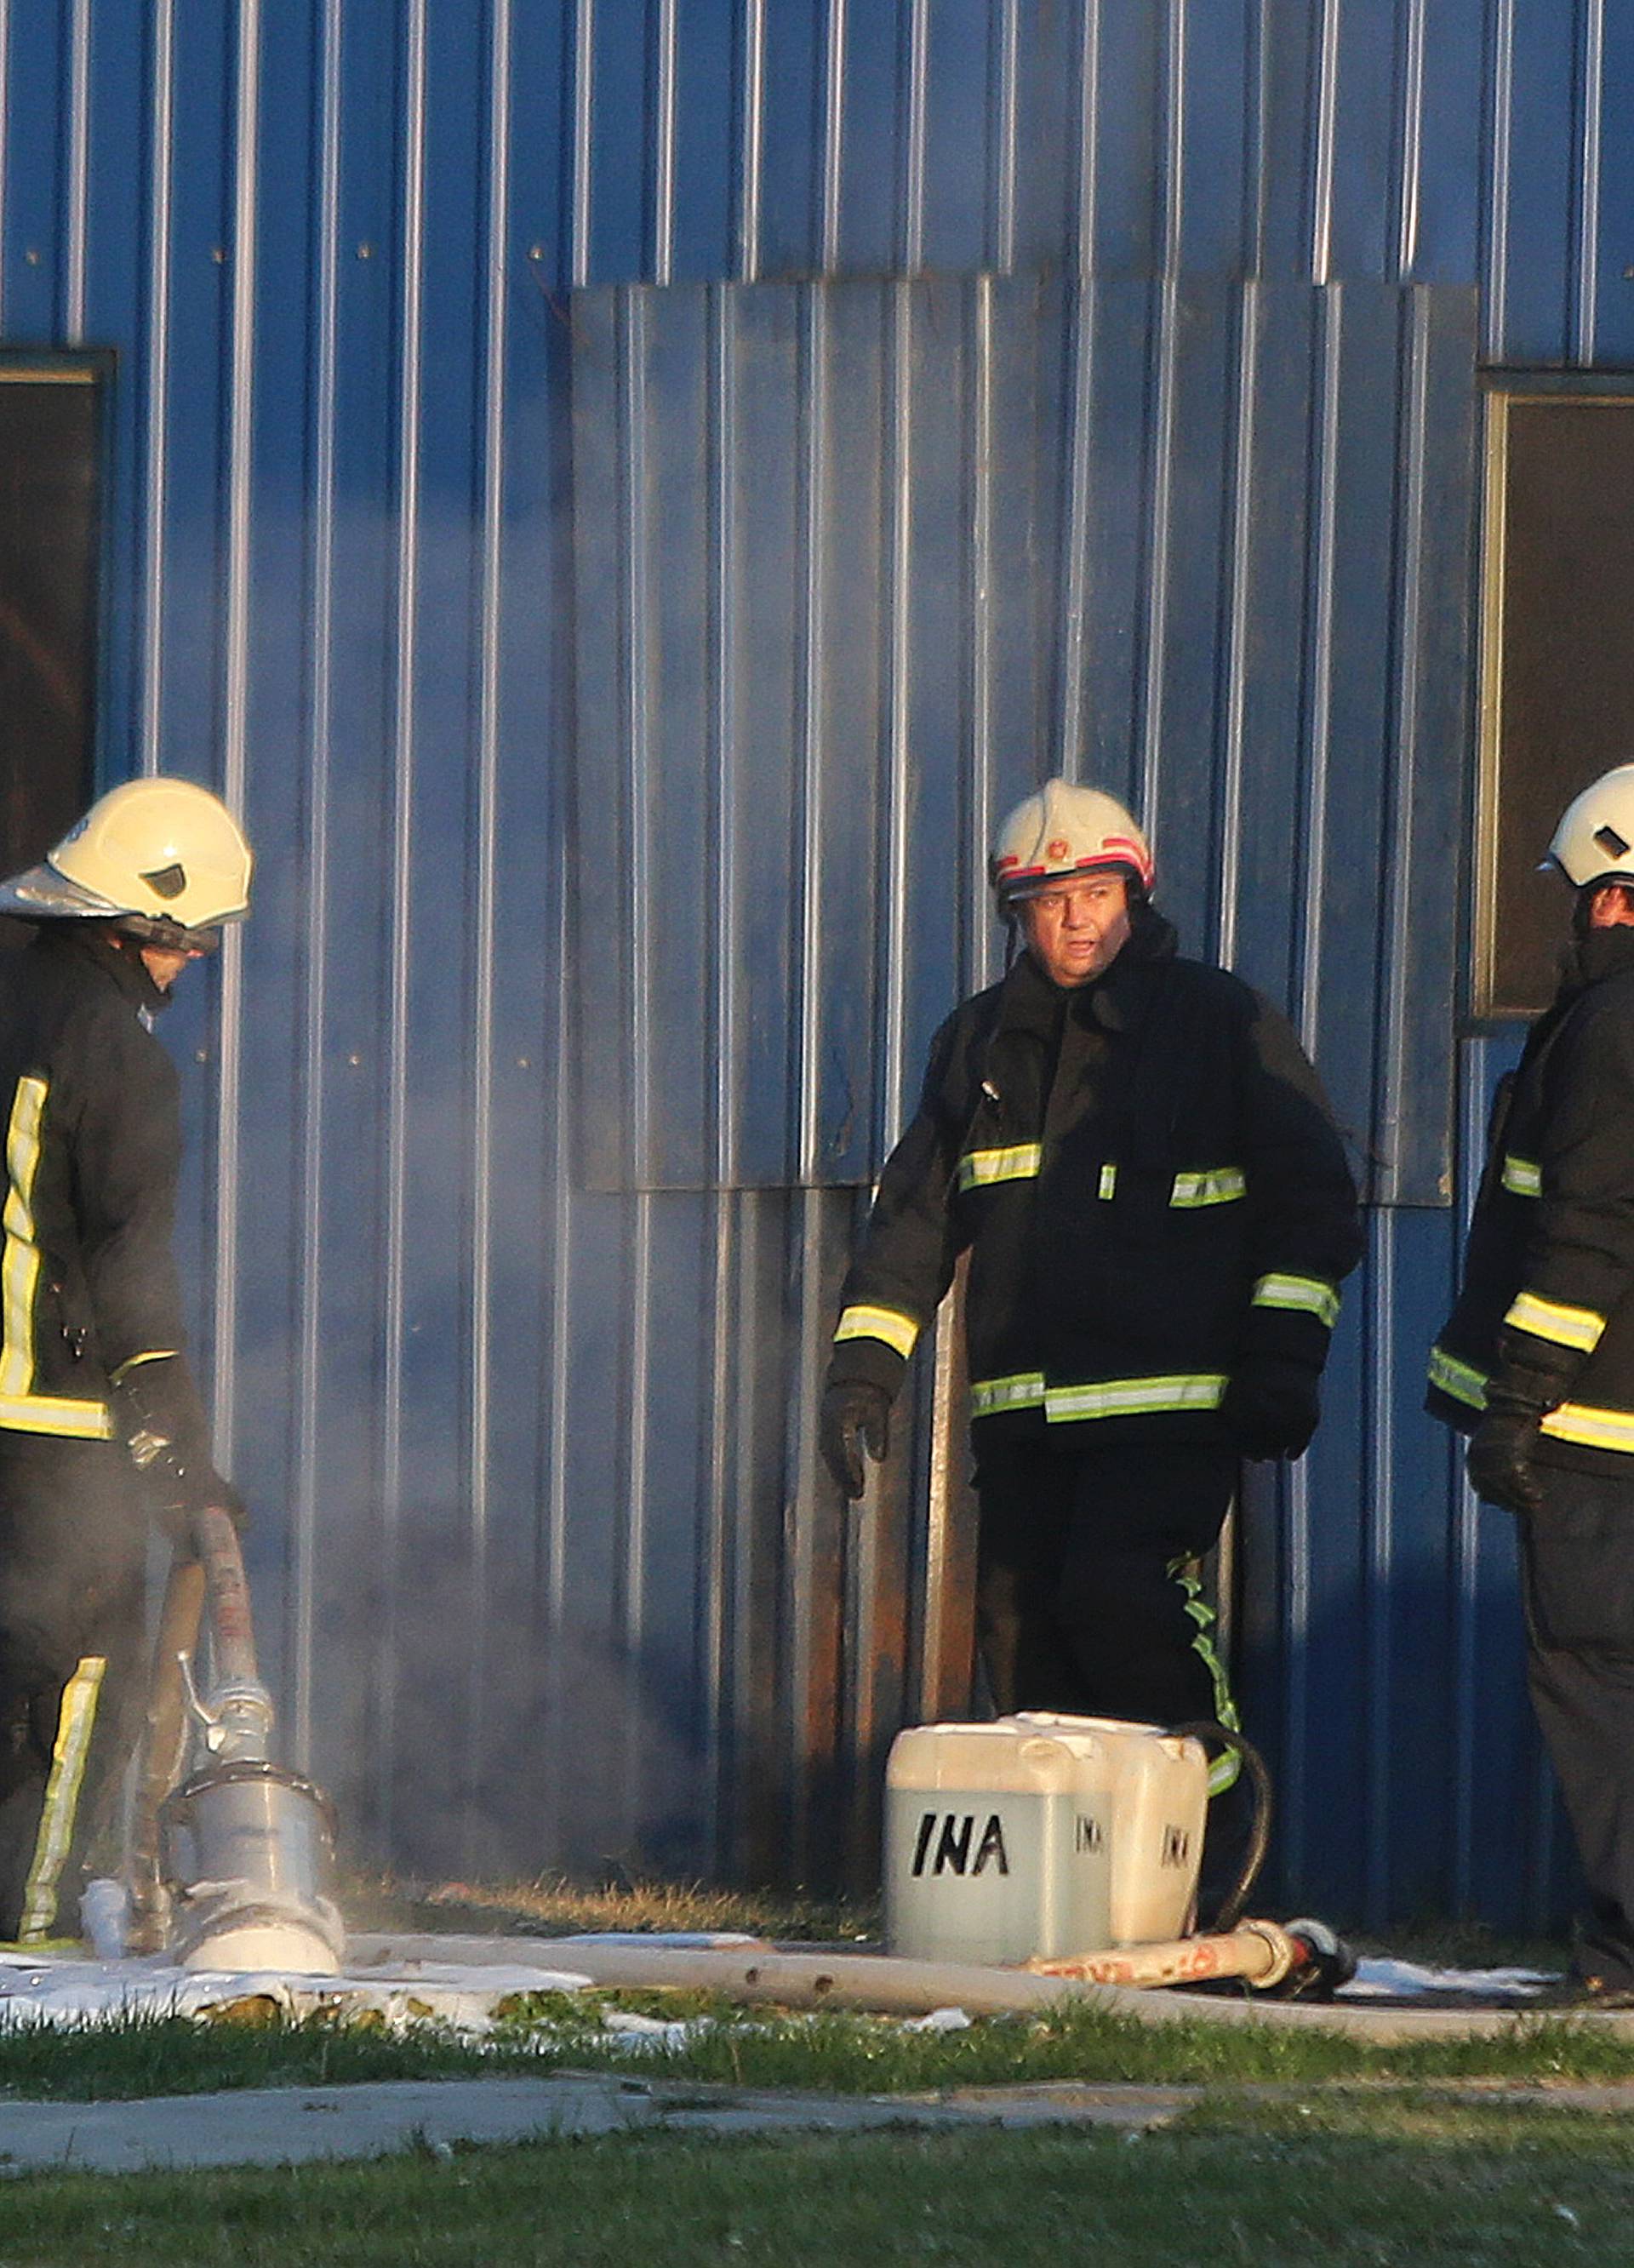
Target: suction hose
[250,1847]
[164,1746]
[1232,1907]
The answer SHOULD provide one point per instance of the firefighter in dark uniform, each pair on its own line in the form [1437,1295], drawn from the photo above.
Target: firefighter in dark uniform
[101,1425]
[1537,1363]
[1158,1210]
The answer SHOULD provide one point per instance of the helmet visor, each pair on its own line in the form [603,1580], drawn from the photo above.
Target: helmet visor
[174,936]
[1013,889]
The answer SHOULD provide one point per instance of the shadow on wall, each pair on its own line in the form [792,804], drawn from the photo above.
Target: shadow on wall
[1409,1773]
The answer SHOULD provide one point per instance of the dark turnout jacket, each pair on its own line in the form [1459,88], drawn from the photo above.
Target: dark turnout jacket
[92,1146]
[1549,1265]
[1150,1184]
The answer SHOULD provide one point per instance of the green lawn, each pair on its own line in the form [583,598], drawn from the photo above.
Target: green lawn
[830,2052]
[1331,2181]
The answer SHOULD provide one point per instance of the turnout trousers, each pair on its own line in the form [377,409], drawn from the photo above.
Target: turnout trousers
[1088,1599]
[1576,1555]
[73,1548]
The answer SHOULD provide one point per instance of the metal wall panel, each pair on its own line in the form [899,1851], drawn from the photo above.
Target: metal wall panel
[1224,569]
[545,1568]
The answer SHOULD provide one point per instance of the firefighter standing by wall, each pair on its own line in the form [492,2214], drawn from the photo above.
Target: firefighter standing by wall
[1160,1213]
[1537,1362]
[101,1423]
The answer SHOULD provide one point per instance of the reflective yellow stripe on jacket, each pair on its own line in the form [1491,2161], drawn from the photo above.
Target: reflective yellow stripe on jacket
[1107,1397]
[21,1408]
[1523,1177]
[1592,1429]
[979,1168]
[1310,1295]
[888,1323]
[989,1395]
[1216,1185]
[1461,1380]
[1547,1319]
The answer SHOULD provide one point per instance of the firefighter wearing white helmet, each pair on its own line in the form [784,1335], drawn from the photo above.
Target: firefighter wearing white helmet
[1065,829]
[1535,1364]
[101,1425]
[1138,1156]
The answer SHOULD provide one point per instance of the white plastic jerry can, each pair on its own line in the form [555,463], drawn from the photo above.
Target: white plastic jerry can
[1160,1803]
[996,1844]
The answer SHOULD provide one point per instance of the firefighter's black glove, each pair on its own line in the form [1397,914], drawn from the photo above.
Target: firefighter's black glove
[1271,1405]
[855,1416]
[162,1421]
[1501,1447]
[1499,1458]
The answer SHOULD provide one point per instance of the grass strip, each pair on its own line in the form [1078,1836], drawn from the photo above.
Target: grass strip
[833,2052]
[1438,2185]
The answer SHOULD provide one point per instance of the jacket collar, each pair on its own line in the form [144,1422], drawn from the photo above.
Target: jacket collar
[1119,998]
[1603,952]
[91,943]
[1030,1002]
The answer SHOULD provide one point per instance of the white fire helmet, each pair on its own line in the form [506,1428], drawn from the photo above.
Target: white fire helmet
[160,859]
[1594,841]
[1065,829]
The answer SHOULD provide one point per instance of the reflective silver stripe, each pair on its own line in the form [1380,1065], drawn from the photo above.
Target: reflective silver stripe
[1592,1429]
[1216,1185]
[1109,1181]
[1523,1177]
[1133,1397]
[21,1408]
[897,1330]
[1547,1319]
[77,1718]
[1311,1295]
[989,1395]
[1461,1380]
[1020,1163]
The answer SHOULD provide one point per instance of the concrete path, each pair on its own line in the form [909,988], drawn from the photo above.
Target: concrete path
[275,2126]
[294,2125]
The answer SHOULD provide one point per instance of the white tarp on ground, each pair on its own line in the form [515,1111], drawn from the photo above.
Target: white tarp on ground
[461,1997]
[67,1990]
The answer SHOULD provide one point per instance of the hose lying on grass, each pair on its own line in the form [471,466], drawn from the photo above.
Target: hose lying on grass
[751,1973]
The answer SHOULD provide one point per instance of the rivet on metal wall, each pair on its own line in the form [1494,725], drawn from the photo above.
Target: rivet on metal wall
[31,257]
[218,254]
[365,251]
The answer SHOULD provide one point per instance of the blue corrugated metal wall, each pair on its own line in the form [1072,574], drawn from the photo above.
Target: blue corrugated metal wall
[541,1535]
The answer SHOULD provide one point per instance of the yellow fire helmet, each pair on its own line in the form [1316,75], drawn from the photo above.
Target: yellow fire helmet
[1065,829]
[162,859]
[1594,841]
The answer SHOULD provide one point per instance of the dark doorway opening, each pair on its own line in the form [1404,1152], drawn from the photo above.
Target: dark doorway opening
[50,503]
[1559,664]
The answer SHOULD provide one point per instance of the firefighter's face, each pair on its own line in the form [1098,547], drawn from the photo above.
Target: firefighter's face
[1075,929]
[165,963]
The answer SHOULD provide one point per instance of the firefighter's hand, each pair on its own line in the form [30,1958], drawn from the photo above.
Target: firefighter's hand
[1271,1405]
[1500,1457]
[1520,1395]
[174,1510]
[855,1416]
[168,1442]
